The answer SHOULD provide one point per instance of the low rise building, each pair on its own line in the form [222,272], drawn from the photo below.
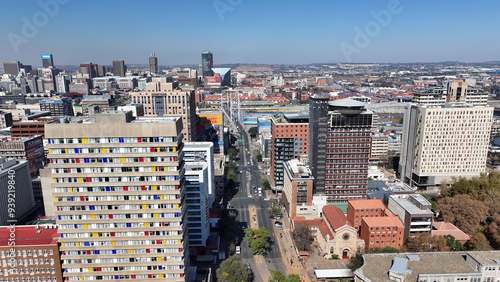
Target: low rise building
[298,190]
[414,211]
[357,209]
[381,232]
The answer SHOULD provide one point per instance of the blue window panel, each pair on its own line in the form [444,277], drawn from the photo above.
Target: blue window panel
[65,270]
[177,214]
[87,243]
[175,177]
[59,217]
[62,236]
[120,140]
[96,252]
[163,232]
[155,197]
[108,189]
[162,215]
[77,151]
[92,208]
[157,139]
[180,266]
[117,277]
[76,226]
[72,199]
[48,140]
[86,160]
[114,253]
[129,224]
[159,267]
[104,160]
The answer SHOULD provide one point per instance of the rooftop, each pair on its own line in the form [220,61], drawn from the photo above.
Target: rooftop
[335,216]
[405,203]
[442,228]
[367,204]
[29,235]
[377,266]
[383,220]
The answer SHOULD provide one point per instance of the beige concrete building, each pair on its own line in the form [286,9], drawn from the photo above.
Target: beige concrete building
[118,193]
[441,142]
[163,98]
[298,190]
[455,91]
[380,148]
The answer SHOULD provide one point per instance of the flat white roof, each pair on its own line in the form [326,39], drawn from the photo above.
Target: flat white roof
[333,273]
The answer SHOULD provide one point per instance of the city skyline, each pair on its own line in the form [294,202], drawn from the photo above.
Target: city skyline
[247,32]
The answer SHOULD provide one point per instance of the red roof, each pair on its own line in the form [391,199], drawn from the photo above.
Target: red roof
[447,228]
[335,216]
[383,221]
[367,204]
[318,222]
[28,235]
[288,86]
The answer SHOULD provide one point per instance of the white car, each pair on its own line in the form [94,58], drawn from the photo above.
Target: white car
[266,199]
[238,250]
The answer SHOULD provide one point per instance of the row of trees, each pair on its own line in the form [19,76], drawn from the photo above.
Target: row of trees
[473,205]
[259,239]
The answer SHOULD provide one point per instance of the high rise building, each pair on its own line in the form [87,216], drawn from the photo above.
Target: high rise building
[445,141]
[164,98]
[15,183]
[455,91]
[153,63]
[200,184]
[47,60]
[318,123]
[348,150]
[297,188]
[207,63]
[89,70]
[119,68]
[290,139]
[117,187]
[12,67]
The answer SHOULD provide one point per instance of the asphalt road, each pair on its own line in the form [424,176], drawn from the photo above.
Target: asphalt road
[245,199]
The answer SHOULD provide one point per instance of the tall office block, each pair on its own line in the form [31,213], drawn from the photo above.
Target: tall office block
[12,67]
[200,194]
[445,141]
[89,69]
[290,139]
[118,190]
[454,91]
[15,178]
[47,60]
[153,63]
[119,68]
[207,63]
[165,99]
[318,123]
[348,151]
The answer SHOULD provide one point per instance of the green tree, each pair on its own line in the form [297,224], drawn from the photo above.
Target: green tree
[259,157]
[231,175]
[302,237]
[478,242]
[233,165]
[253,131]
[387,250]
[452,243]
[381,130]
[232,270]
[492,232]
[278,276]
[266,184]
[274,210]
[232,153]
[259,239]
[356,262]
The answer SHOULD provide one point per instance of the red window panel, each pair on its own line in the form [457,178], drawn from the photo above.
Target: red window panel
[88,252]
[141,160]
[112,234]
[77,161]
[69,170]
[150,276]
[98,269]
[110,216]
[139,140]
[152,150]
[89,179]
[148,251]
[132,276]
[82,199]
[52,161]
[125,188]
[146,233]
[143,188]
[158,242]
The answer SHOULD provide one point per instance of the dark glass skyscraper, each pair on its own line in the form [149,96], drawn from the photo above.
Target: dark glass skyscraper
[318,123]
[47,60]
[119,68]
[153,63]
[207,63]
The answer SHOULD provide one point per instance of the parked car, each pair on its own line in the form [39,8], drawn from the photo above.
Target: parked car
[238,250]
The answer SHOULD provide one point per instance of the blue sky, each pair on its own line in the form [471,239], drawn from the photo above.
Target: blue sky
[250,31]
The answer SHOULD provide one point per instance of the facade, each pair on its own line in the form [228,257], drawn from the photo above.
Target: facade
[62,83]
[199,183]
[343,239]
[450,140]
[57,107]
[47,60]
[119,68]
[28,128]
[380,148]
[478,266]
[35,251]
[348,151]
[207,63]
[290,139]
[5,119]
[89,70]
[381,232]
[210,128]
[118,189]
[25,148]
[165,99]
[297,188]
[357,209]
[224,74]
[414,211]
[153,63]
[12,67]
[15,180]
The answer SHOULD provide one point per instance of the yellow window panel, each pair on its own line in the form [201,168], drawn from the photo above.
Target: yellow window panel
[179,241]
[65,151]
[94,234]
[157,215]
[80,180]
[161,197]
[130,251]
[104,150]
[84,140]
[158,149]
[62,244]
[144,207]
[91,269]
[161,275]
[50,151]
[159,259]
[176,206]
[122,160]
[146,224]
[153,168]
[78,244]
[113,243]
[155,187]
[70,189]
[85,226]
[173,149]
[57,199]
[164,241]
[55,181]
[92,216]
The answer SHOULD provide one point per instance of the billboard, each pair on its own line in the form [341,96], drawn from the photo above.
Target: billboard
[46,56]
[213,80]
[211,119]
[34,154]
